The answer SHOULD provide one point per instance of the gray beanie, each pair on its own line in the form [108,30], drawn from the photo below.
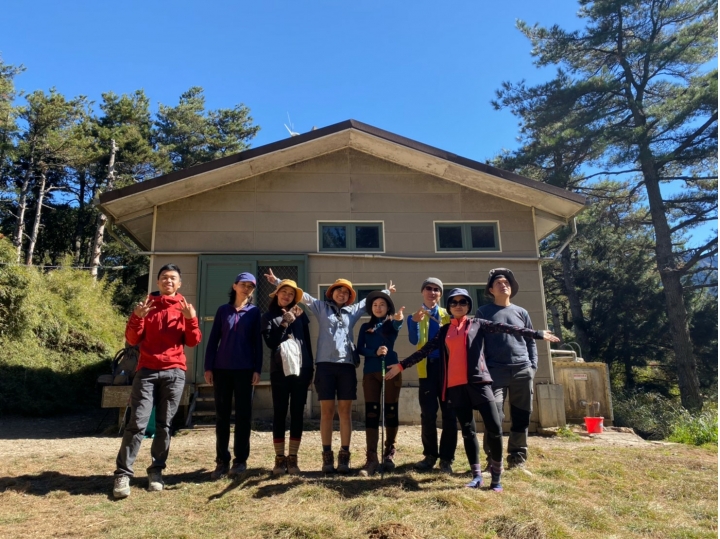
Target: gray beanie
[432,280]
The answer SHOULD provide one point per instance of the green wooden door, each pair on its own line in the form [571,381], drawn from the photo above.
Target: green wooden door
[216,274]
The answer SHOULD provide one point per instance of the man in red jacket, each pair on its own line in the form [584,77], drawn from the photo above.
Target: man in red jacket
[162,326]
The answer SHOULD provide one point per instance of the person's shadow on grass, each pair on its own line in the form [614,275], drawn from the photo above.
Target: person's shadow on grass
[82,485]
[348,486]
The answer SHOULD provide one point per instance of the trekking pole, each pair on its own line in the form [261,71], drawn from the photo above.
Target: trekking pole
[382,414]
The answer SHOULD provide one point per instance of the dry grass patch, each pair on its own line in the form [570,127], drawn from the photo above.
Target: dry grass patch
[52,486]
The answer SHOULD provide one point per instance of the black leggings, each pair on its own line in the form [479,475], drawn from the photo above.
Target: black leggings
[289,391]
[493,428]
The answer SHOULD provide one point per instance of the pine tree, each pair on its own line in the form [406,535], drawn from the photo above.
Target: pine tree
[636,79]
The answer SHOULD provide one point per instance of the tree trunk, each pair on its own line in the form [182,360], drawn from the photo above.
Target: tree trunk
[81,218]
[36,224]
[575,306]
[98,240]
[22,207]
[557,328]
[670,274]
[627,361]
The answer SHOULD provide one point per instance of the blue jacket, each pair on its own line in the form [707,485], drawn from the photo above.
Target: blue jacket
[235,340]
[383,334]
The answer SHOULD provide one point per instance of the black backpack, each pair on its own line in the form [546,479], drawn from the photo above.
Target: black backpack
[124,365]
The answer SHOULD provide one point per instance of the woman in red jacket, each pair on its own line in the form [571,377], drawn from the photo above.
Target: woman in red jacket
[466,381]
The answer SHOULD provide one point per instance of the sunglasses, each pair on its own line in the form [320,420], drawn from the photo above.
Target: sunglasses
[432,289]
[460,302]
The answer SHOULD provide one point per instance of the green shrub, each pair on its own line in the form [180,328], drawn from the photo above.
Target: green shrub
[58,332]
[700,429]
[650,414]
[655,417]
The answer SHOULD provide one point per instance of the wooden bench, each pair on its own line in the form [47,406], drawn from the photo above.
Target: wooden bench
[119,397]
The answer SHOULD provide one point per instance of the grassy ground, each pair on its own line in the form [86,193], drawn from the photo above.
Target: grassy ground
[56,482]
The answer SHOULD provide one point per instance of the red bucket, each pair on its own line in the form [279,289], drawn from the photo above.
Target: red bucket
[594,425]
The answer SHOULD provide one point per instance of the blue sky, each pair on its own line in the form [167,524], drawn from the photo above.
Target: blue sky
[419,69]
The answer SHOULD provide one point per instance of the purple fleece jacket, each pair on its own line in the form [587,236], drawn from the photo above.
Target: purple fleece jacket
[235,340]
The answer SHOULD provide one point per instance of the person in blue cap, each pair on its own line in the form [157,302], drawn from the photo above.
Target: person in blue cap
[233,361]
[466,382]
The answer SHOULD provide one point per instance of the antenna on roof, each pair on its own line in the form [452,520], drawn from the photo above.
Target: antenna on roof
[290,129]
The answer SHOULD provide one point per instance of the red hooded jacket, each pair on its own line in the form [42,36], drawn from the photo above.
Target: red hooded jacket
[163,333]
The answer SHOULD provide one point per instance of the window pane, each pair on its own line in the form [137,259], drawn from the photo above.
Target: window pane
[450,237]
[334,237]
[481,298]
[362,293]
[367,237]
[482,236]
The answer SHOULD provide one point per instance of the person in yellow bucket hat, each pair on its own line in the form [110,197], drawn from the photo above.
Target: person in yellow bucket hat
[285,320]
[335,376]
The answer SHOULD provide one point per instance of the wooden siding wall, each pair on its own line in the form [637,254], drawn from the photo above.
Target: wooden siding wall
[278,212]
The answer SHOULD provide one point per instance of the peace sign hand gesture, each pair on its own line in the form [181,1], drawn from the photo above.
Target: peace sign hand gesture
[399,315]
[391,288]
[143,308]
[187,309]
[270,276]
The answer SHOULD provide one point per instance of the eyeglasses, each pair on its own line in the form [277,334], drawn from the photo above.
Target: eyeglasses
[460,302]
[432,289]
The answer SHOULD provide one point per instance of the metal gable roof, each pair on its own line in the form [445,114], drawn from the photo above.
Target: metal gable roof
[132,204]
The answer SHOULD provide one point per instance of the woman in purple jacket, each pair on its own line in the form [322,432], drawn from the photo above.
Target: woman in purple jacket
[466,381]
[233,361]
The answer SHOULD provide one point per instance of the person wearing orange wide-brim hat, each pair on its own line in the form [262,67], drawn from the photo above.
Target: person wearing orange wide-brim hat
[335,375]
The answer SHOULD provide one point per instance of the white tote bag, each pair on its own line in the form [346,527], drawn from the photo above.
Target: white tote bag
[291,355]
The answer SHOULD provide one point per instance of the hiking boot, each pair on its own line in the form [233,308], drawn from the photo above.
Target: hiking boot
[328,462]
[426,464]
[155,481]
[292,465]
[220,470]
[371,464]
[518,462]
[280,465]
[445,466]
[388,460]
[237,469]
[476,482]
[343,461]
[121,488]
[495,481]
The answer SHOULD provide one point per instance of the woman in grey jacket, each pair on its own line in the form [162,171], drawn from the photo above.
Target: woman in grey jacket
[335,375]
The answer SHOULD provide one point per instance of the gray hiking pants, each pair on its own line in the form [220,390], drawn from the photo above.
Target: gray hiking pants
[515,384]
[164,389]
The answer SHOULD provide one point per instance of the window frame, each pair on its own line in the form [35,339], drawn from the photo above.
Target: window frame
[350,233]
[466,236]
